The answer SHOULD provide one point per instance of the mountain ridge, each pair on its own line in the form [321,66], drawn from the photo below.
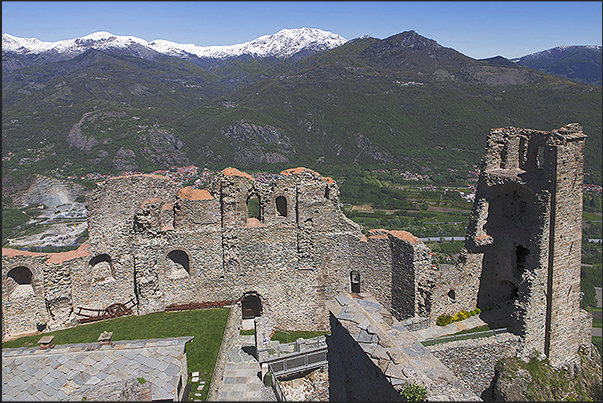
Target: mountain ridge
[403,101]
[580,63]
[284,43]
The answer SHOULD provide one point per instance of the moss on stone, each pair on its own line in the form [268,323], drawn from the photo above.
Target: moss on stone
[537,380]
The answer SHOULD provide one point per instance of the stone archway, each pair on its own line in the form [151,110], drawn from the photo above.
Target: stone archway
[22,275]
[251,305]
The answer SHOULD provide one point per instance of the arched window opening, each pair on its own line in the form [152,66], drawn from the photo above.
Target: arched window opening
[355,281]
[452,295]
[179,260]
[101,268]
[22,275]
[540,157]
[99,259]
[281,206]
[253,206]
[251,305]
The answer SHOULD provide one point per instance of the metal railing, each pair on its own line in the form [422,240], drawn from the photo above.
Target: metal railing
[414,325]
[464,336]
[276,386]
[281,349]
[298,362]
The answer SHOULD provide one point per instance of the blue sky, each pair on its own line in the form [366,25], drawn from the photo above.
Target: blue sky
[477,29]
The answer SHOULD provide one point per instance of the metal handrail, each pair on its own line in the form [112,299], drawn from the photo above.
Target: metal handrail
[464,336]
[300,361]
[418,324]
[276,386]
[284,349]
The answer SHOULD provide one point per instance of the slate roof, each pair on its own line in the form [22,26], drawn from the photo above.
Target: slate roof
[72,371]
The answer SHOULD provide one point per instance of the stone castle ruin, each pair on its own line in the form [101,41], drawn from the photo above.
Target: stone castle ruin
[158,244]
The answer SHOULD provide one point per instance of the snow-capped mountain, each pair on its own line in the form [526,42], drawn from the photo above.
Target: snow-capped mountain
[284,43]
[580,63]
[556,51]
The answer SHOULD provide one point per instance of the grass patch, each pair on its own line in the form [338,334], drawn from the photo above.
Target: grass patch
[598,342]
[206,325]
[248,332]
[467,332]
[550,384]
[597,323]
[482,328]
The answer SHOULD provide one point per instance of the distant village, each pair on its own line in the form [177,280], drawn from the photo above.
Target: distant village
[203,177]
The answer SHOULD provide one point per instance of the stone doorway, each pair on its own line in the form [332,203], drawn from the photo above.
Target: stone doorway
[251,305]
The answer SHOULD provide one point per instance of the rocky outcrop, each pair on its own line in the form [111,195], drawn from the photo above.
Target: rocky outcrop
[365,146]
[516,380]
[124,160]
[76,138]
[49,192]
[163,147]
[255,144]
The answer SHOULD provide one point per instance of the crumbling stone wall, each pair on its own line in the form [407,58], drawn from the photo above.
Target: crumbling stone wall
[23,305]
[165,245]
[523,241]
[37,289]
[473,360]
[112,206]
[162,245]
[372,356]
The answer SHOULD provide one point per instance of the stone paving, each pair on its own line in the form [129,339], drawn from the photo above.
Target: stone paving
[241,379]
[77,371]
[469,323]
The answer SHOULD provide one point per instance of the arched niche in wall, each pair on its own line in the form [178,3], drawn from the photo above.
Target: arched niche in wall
[101,269]
[24,278]
[452,295]
[178,263]
[281,206]
[251,305]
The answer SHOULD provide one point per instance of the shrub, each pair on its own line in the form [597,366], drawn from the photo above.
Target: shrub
[478,311]
[472,312]
[444,320]
[413,392]
[268,379]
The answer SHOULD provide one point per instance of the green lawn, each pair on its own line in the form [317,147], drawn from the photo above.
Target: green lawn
[206,325]
[597,341]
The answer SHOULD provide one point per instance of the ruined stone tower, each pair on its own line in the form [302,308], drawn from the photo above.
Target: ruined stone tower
[526,230]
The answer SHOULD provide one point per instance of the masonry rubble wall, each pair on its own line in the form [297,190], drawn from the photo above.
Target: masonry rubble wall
[372,356]
[523,242]
[162,244]
[229,341]
[23,305]
[473,360]
[112,206]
